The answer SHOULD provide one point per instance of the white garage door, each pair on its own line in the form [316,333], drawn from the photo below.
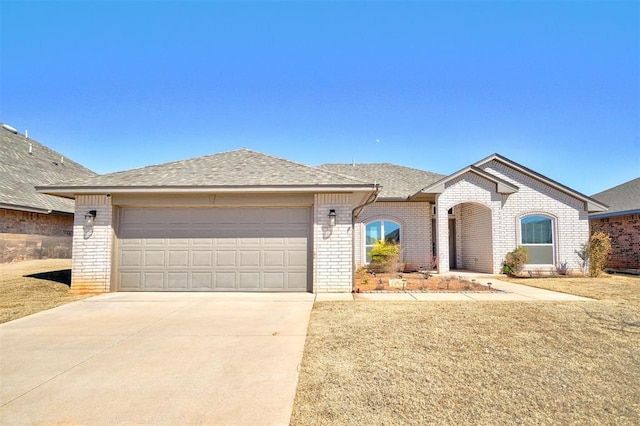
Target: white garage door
[213,249]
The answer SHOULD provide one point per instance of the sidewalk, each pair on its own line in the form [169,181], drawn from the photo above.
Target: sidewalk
[507,292]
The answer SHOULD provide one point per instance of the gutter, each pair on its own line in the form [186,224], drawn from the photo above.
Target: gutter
[354,215]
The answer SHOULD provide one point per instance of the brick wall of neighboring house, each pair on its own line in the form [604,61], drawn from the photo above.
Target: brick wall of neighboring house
[415,230]
[332,256]
[26,235]
[624,232]
[92,246]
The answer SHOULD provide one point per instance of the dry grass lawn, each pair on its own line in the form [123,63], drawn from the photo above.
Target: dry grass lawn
[375,363]
[33,286]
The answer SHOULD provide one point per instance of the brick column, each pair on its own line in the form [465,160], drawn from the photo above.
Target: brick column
[92,246]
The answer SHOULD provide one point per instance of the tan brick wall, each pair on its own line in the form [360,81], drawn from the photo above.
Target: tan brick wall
[332,255]
[624,232]
[26,235]
[92,247]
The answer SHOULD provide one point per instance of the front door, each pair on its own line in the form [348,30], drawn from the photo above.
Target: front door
[452,244]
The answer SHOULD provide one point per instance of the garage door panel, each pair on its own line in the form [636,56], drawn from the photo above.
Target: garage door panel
[202,258]
[274,280]
[225,280]
[201,280]
[177,280]
[297,258]
[249,258]
[178,259]
[130,280]
[249,280]
[130,258]
[213,249]
[153,258]
[297,281]
[226,258]
[153,280]
[274,258]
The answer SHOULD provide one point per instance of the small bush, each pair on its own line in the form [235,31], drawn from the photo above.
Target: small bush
[599,250]
[514,261]
[385,256]
[583,254]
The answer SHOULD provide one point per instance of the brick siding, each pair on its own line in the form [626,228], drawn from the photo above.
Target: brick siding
[415,230]
[27,235]
[332,255]
[624,232]
[92,246]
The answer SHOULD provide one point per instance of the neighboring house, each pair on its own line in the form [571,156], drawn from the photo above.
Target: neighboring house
[246,221]
[622,223]
[33,225]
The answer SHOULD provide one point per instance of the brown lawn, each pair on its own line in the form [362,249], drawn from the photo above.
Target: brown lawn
[33,286]
[375,363]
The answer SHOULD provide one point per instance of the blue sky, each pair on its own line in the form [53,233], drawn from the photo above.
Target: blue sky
[554,86]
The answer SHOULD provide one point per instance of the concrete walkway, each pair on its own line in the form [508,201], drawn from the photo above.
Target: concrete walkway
[507,292]
[155,358]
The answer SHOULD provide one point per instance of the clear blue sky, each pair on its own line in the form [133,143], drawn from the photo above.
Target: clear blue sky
[554,86]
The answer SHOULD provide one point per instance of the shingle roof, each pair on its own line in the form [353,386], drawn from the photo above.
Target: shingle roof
[234,169]
[20,171]
[398,182]
[622,198]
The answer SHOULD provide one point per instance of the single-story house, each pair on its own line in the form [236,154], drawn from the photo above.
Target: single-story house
[622,223]
[246,221]
[33,225]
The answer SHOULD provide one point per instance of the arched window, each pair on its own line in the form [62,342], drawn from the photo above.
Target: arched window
[381,230]
[537,237]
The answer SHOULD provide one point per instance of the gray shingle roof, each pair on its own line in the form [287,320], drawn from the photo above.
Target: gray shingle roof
[398,182]
[20,171]
[622,198]
[240,168]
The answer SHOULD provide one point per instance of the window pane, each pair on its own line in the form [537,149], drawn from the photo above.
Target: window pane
[373,233]
[540,255]
[536,230]
[391,232]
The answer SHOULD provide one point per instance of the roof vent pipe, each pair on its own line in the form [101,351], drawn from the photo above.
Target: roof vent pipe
[61,159]
[26,134]
[30,149]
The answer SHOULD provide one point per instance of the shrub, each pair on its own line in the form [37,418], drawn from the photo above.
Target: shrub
[583,254]
[514,261]
[386,255]
[599,250]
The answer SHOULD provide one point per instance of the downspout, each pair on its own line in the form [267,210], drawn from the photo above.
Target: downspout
[354,215]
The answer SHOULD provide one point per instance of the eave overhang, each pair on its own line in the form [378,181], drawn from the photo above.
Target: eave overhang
[72,191]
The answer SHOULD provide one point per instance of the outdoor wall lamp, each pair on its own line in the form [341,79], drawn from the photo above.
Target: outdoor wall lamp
[332,218]
[90,217]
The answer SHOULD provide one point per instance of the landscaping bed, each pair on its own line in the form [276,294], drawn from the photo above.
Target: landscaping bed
[370,281]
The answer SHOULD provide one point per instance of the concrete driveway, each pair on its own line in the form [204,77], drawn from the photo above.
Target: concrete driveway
[160,358]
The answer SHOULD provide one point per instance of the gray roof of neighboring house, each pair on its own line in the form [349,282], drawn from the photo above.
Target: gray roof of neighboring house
[241,169]
[621,199]
[398,182]
[21,171]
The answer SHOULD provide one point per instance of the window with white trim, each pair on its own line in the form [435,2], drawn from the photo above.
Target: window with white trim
[380,230]
[537,237]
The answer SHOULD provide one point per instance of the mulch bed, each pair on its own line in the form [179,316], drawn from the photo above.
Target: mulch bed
[368,281]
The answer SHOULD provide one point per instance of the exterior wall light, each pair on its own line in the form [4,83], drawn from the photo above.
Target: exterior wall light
[90,217]
[332,218]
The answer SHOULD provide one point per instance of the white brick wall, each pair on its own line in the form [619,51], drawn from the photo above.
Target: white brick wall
[332,254]
[502,228]
[91,265]
[415,230]
[475,238]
